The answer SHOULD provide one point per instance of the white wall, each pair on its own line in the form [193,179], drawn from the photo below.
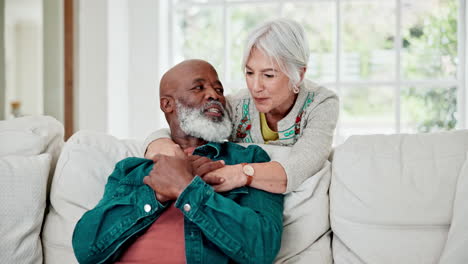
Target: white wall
[119,67]
[23,56]
[2,60]
[143,68]
[53,59]
[90,93]
[464,92]
[28,68]
[118,59]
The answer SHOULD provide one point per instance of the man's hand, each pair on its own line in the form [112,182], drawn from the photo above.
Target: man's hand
[169,176]
[162,146]
[203,165]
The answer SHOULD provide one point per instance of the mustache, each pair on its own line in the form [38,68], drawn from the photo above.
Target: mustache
[211,104]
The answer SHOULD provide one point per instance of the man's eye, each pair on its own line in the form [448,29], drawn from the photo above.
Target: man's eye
[199,87]
[220,90]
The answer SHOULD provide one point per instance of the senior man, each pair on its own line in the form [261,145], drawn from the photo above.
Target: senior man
[168,214]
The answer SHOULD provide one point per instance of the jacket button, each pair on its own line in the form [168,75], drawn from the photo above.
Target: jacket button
[187,207]
[147,208]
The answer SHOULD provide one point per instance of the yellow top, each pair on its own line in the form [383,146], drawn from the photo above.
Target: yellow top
[267,133]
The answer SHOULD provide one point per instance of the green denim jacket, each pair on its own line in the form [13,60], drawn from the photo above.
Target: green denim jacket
[243,225]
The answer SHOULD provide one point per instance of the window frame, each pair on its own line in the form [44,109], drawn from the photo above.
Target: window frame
[398,82]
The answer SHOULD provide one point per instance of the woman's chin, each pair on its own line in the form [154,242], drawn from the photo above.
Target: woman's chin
[263,108]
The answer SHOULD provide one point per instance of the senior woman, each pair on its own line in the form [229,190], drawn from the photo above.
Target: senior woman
[279,107]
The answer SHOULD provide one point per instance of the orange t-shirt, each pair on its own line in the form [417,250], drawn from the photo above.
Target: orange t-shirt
[163,242]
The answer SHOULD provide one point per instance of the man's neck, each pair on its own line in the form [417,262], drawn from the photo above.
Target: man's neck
[185,141]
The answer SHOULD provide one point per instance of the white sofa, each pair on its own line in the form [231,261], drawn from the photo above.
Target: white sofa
[392,199]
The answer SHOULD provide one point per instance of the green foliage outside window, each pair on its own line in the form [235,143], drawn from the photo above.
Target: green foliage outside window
[429,52]
[433,53]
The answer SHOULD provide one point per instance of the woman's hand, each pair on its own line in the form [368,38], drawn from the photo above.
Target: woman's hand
[203,165]
[232,175]
[162,146]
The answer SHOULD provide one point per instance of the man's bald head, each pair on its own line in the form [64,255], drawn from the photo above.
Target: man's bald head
[192,99]
[172,79]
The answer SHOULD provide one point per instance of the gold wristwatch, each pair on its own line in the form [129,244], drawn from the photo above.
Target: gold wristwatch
[249,172]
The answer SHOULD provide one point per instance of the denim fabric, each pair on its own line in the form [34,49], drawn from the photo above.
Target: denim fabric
[243,225]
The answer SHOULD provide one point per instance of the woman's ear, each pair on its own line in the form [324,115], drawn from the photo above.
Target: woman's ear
[167,104]
[302,73]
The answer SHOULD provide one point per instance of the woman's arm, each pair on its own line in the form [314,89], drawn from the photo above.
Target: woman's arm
[269,176]
[159,142]
[313,148]
[305,158]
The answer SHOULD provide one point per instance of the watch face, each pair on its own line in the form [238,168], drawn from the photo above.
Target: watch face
[248,170]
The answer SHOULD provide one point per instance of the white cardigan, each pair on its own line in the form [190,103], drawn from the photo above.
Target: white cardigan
[308,129]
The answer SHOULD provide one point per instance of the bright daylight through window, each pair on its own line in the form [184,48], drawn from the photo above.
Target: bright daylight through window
[396,65]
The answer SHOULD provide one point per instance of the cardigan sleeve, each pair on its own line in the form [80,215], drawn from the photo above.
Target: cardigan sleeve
[313,148]
[160,133]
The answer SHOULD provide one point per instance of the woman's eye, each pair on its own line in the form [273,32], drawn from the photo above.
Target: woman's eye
[248,73]
[269,75]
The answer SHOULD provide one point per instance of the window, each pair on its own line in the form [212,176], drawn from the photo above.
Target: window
[397,65]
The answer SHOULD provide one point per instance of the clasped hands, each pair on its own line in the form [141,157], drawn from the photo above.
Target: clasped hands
[172,173]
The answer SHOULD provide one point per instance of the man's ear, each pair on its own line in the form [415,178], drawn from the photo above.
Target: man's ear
[167,104]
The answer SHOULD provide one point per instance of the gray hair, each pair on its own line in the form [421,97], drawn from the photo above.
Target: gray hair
[284,41]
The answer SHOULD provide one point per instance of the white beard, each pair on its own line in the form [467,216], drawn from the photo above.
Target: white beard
[194,123]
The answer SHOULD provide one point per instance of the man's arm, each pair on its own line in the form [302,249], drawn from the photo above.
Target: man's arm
[127,207]
[248,230]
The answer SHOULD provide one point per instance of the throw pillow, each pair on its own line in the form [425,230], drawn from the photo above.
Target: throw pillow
[23,182]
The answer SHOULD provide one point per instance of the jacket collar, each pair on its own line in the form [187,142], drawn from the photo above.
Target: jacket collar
[212,149]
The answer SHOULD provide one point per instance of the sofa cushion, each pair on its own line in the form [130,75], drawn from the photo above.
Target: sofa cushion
[31,135]
[23,183]
[455,249]
[391,197]
[306,226]
[29,147]
[88,158]
[86,161]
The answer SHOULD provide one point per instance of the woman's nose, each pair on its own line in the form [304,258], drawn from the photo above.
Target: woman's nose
[257,85]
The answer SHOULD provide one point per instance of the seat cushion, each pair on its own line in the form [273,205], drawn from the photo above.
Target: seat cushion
[391,197]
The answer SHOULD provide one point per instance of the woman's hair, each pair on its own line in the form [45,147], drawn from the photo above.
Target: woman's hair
[284,41]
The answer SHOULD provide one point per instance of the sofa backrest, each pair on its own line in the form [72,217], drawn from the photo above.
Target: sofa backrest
[32,135]
[87,159]
[392,197]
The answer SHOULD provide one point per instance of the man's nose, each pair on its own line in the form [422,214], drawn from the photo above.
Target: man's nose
[211,93]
